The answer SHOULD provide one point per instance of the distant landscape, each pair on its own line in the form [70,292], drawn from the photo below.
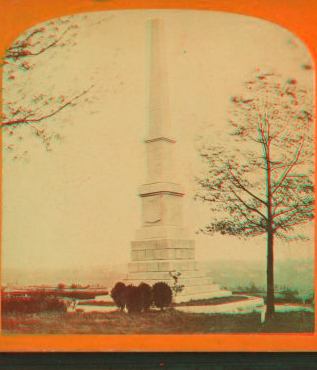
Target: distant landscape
[231,274]
[293,274]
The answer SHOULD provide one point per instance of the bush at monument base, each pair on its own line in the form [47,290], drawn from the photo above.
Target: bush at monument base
[146,296]
[141,298]
[133,299]
[118,295]
[162,295]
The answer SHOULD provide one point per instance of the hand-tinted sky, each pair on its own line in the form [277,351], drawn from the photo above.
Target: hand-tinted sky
[77,205]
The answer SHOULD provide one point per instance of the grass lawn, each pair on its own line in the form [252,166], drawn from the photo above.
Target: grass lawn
[155,322]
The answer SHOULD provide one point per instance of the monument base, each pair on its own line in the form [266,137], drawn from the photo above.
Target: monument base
[155,260]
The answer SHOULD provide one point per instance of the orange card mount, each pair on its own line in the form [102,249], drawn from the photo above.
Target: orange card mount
[297,16]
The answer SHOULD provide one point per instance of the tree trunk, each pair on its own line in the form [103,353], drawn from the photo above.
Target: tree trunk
[270,238]
[270,276]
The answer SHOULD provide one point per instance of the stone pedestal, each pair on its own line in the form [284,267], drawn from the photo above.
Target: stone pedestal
[154,260]
[163,247]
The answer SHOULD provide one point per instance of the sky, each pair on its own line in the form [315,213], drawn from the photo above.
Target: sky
[77,205]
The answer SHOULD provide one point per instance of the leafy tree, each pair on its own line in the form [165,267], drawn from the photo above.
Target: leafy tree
[162,295]
[261,180]
[118,294]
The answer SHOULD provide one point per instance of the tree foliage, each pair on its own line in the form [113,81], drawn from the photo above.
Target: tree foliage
[26,109]
[261,181]
[56,33]
[272,122]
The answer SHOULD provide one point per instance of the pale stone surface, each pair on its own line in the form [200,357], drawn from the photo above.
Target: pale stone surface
[161,232]
[164,275]
[190,284]
[161,208]
[158,109]
[162,250]
[160,167]
[160,187]
[165,266]
[162,245]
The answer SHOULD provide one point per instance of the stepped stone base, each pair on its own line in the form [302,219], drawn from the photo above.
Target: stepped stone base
[154,259]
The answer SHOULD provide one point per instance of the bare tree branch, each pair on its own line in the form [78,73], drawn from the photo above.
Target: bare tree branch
[289,168]
[19,50]
[247,206]
[28,118]
[244,188]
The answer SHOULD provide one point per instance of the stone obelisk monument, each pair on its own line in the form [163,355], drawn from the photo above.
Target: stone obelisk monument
[162,245]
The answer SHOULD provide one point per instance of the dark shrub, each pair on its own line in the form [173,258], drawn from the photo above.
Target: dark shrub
[162,295]
[133,299]
[32,305]
[55,305]
[146,296]
[118,294]
[290,295]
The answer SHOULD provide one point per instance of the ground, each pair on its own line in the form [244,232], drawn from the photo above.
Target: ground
[154,322]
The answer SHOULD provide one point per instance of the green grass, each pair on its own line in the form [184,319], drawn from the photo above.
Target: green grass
[154,322]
